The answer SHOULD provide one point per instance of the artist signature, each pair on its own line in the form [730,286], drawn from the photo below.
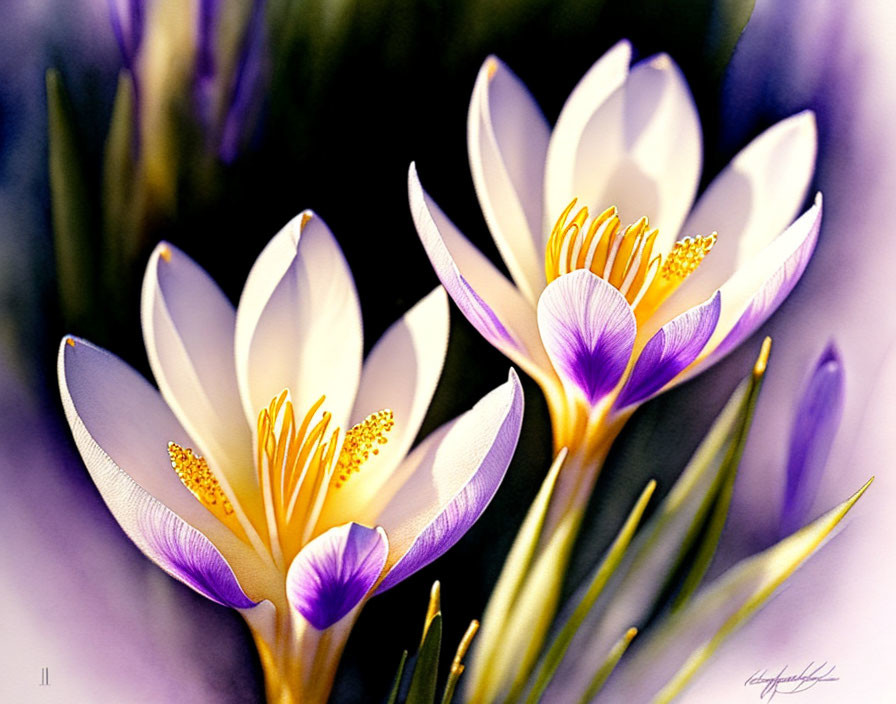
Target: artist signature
[782,683]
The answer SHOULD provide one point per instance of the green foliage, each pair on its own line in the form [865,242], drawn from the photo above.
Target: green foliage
[71,206]
[424,673]
[608,565]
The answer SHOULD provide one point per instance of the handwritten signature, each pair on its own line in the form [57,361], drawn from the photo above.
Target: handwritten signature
[782,683]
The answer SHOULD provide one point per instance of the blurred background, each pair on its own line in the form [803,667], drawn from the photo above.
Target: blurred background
[211,123]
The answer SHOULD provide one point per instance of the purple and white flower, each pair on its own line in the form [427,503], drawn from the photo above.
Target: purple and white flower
[601,315]
[234,476]
[604,315]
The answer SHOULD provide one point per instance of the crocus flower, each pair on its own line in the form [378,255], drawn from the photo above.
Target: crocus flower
[207,55]
[233,478]
[603,315]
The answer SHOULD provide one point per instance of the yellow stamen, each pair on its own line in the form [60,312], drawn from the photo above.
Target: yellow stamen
[686,256]
[298,463]
[196,475]
[682,261]
[624,259]
[360,442]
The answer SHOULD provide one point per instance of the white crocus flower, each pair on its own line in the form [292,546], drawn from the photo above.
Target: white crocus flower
[236,479]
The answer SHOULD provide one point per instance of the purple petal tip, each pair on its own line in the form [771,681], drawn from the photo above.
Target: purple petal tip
[189,556]
[670,351]
[465,508]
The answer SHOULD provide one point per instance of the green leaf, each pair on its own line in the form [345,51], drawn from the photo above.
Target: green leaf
[672,532]
[426,669]
[534,610]
[712,532]
[393,694]
[687,639]
[121,212]
[607,567]
[457,667]
[71,209]
[608,665]
[488,675]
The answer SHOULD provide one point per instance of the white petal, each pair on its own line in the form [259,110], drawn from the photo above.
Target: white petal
[641,150]
[606,75]
[188,327]
[439,471]
[758,288]
[122,428]
[507,140]
[488,300]
[298,323]
[756,197]
[400,373]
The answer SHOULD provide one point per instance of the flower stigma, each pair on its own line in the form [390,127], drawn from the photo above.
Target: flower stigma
[622,257]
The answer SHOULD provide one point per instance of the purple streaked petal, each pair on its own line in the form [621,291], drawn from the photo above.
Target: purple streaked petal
[122,427]
[494,306]
[588,330]
[334,572]
[431,223]
[670,351]
[109,438]
[186,554]
[456,472]
[793,248]
[246,83]
[814,426]
[752,201]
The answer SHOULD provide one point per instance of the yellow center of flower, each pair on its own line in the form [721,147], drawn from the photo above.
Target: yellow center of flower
[622,257]
[297,465]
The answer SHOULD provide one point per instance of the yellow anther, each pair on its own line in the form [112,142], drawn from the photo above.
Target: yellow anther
[686,256]
[195,474]
[165,252]
[362,441]
[70,341]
